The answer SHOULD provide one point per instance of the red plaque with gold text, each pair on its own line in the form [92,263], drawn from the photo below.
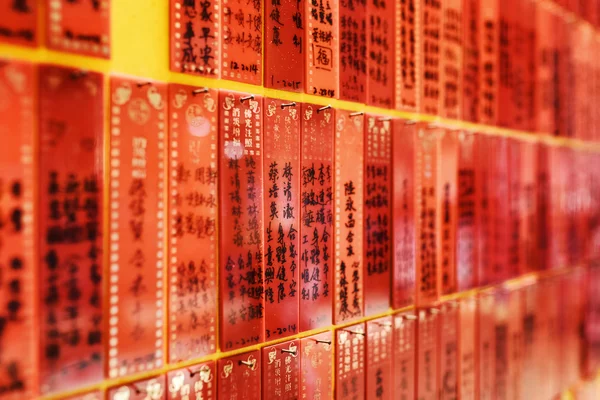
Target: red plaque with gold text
[316,363]
[405,343]
[379,359]
[281,371]
[467,349]
[195,382]
[448,351]
[154,388]
[350,363]
[239,377]
[427,355]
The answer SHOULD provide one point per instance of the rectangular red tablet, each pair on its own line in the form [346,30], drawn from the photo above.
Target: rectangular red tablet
[316,217]
[377,250]
[18,22]
[239,376]
[501,350]
[489,34]
[530,323]
[429,42]
[194,382]
[316,362]
[543,206]
[452,58]
[348,195]
[152,388]
[471,66]
[499,204]
[515,207]
[353,50]
[507,59]
[484,210]
[350,363]
[281,177]
[380,53]
[486,346]
[515,344]
[528,187]
[19,344]
[428,355]
[467,349]
[405,343]
[192,233]
[241,220]
[528,20]
[448,351]
[407,66]
[71,224]
[281,371]
[379,359]
[544,58]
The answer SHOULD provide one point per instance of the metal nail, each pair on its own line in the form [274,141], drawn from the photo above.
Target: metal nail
[243,99]
[356,114]
[323,108]
[292,104]
[199,91]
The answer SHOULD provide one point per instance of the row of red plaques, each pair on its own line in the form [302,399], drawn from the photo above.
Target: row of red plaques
[523,343]
[309,216]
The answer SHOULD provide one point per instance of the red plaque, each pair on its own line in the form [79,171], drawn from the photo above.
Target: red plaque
[18,366]
[281,371]
[427,355]
[515,344]
[241,221]
[353,50]
[500,268]
[153,388]
[317,362]
[285,48]
[467,349]
[407,69]
[527,19]
[239,377]
[471,65]
[18,22]
[448,351]
[528,187]
[349,158]
[501,349]
[241,41]
[515,208]
[282,217]
[429,40]
[192,221]
[195,382]
[486,346]
[543,206]
[195,45]
[322,51]
[530,329]
[404,373]
[380,54]
[350,363]
[507,60]
[451,68]
[571,320]
[488,37]
[377,249]
[81,27]
[316,213]
[379,359]
[544,59]
[71,181]
[520,45]
[484,210]
[403,213]
[137,146]
[550,341]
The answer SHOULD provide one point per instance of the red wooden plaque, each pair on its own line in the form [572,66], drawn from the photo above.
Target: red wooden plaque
[515,344]
[466,223]
[543,206]
[471,65]
[241,221]
[322,51]
[380,53]
[71,181]
[557,240]
[488,37]
[81,27]
[195,45]
[377,249]
[428,355]
[506,62]
[96,395]
[353,50]
[515,207]
[239,377]
[137,183]
[531,333]
[486,347]
[349,181]
[403,213]
[316,213]
[285,47]
[18,22]
[544,55]
[154,389]
[527,19]
[316,365]
[571,321]
[282,217]
[18,343]
[192,229]
[407,68]
[500,204]
[551,342]
[195,382]
[404,373]
[448,351]
[281,371]
[520,63]
[484,210]
[379,359]
[429,40]
[501,349]
[528,187]
[241,41]
[350,363]
[467,349]
[451,68]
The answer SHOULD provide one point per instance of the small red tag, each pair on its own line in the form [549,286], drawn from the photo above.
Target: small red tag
[448,358]
[316,213]
[193,221]
[404,356]
[18,366]
[377,250]
[194,30]
[488,38]
[282,217]
[137,159]
[353,50]
[322,51]
[317,362]
[241,221]
[403,213]
[381,59]
[197,382]
[429,39]
[451,66]
[486,346]
[349,154]
[350,363]
[241,41]
[154,389]
[284,40]
[447,210]
[467,349]
[406,64]
[18,22]
[427,355]
[379,359]
[79,27]
[281,371]
[71,235]
[471,67]
[239,377]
